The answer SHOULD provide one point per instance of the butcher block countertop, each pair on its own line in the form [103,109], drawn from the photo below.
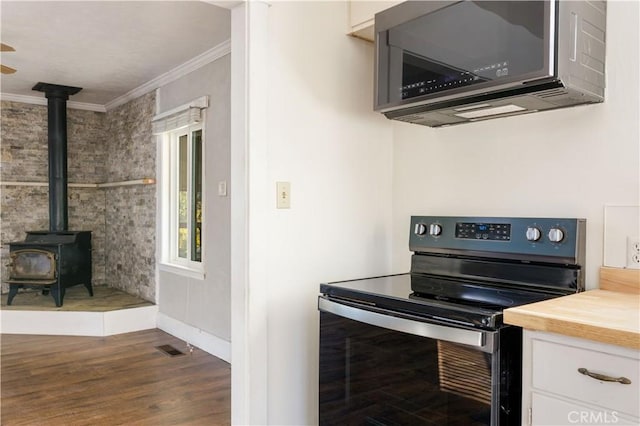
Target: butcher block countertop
[610,314]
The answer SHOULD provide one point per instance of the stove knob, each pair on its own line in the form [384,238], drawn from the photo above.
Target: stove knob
[435,229]
[556,235]
[420,229]
[533,233]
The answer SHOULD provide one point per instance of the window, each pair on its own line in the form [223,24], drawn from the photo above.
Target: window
[186,195]
[181,178]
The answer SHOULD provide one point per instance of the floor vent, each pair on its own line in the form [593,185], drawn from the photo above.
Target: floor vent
[169,350]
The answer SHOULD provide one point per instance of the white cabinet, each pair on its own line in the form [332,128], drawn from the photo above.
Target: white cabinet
[564,381]
[361,14]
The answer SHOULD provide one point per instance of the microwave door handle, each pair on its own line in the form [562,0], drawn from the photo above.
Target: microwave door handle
[482,340]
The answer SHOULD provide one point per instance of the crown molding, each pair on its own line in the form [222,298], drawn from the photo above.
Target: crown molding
[228,4]
[38,100]
[191,65]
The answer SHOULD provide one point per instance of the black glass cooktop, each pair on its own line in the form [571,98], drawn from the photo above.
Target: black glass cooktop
[437,299]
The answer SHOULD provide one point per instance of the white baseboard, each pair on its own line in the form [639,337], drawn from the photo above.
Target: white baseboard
[129,320]
[207,342]
[71,323]
[99,324]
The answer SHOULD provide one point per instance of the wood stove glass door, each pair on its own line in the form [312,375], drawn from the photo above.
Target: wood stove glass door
[33,264]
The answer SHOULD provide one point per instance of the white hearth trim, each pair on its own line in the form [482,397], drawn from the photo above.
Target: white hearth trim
[72,323]
[194,336]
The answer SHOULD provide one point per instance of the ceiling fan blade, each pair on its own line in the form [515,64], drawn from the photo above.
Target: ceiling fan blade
[6,70]
[6,48]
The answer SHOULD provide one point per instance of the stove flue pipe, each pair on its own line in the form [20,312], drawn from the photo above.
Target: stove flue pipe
[57,96]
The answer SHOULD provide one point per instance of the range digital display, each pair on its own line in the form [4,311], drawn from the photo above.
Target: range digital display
[484,231]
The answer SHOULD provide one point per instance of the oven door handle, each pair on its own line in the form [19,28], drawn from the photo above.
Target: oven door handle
[484,340]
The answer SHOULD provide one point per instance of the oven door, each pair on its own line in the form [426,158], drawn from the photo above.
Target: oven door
[383,368]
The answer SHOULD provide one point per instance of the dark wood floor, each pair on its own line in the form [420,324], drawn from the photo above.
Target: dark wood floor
[115,380]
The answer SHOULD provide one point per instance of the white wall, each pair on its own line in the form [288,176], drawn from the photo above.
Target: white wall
[356,178]
[323,138]
[563,163]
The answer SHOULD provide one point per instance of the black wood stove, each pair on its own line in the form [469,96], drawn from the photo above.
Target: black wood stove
[56,259]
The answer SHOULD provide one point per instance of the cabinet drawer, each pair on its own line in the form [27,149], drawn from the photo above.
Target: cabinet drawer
[555,369]
[548,411]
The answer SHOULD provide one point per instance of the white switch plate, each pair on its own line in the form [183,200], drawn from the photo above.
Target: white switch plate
[222,188]
[283,195]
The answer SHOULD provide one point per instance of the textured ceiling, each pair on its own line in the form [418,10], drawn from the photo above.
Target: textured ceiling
[106,47]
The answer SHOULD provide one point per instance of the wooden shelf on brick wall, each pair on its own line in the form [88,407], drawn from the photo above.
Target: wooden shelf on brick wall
[144,181]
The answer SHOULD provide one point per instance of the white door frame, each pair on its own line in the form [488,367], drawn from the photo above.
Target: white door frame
[249,172]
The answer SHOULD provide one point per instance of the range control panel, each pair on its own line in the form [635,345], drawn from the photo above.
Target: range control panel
[484,231]
[560,240]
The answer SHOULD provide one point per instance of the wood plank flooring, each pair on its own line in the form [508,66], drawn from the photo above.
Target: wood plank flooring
[114,380]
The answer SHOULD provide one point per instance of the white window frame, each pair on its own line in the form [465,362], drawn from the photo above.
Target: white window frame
[174,185]
[168,193]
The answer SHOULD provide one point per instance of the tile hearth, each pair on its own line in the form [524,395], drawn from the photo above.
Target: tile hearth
[76,299]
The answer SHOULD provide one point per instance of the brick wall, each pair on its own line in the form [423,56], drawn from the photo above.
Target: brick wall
[24,158]
[101,147]
[131,210]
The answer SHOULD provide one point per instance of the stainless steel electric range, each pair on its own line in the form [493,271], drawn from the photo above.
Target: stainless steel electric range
[429,347]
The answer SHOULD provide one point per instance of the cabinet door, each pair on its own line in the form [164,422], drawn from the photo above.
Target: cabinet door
[552,411]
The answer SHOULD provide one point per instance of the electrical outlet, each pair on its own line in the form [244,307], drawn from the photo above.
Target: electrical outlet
[633,253]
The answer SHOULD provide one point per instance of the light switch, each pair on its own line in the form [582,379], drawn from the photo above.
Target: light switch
[222,188]
[283,195]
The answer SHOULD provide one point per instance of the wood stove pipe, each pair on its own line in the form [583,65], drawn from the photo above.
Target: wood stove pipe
[57,96]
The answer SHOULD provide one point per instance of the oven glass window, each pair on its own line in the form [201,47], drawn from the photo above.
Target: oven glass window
[490,40]
[374,376]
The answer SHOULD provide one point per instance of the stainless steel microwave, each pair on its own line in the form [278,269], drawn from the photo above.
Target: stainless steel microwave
[450,62]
